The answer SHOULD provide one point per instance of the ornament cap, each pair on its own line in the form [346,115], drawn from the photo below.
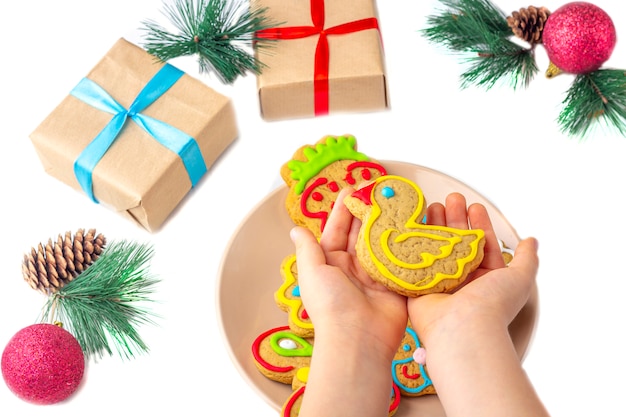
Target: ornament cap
[553,70]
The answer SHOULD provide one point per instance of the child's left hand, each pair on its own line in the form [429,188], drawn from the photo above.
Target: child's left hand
[338,294]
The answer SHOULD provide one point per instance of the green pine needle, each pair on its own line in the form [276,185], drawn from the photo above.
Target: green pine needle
[102,306]
[463,25]
[479,30]
[220,32]
[599,96]
[505,59]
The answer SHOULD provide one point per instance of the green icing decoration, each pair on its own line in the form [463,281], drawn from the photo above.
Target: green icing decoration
[335,149]
[305,351]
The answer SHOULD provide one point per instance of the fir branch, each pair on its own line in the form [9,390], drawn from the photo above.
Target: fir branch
[504,60]
[599,96]
[479,30]
[101,306]
[220,32]
[466,25]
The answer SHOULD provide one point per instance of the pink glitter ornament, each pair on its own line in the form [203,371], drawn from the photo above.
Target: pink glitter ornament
[579,37]
[43,364]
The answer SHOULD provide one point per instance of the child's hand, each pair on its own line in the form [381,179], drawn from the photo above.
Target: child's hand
[470,355]
[493,292]
[338,294]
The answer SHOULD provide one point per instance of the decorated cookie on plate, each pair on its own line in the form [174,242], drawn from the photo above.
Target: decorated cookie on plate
[409,366]
[398,250]
[282,356]
[507,253]
[317,173]
[288,299]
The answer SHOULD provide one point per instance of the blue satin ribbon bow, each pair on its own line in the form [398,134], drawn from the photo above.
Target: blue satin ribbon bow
[173,139]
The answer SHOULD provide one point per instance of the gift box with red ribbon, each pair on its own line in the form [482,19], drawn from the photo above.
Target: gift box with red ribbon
[136,134]
[326,57]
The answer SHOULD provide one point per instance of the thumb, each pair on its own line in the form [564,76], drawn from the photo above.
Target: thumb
[523,268]
[308,251]
[525,258]
[516,281]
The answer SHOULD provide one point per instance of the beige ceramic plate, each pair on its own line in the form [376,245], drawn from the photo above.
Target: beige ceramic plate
[250,274]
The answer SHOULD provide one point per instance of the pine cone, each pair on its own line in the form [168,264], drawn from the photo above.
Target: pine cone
[48,268]
[527,24]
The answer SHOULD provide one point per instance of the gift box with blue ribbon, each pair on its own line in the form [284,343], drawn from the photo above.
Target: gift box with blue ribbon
[136,134]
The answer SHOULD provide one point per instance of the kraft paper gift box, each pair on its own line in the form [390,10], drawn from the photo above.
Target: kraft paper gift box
[135,135]
[326,56]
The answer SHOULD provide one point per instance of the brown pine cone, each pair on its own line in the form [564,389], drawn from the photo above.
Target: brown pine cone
[48,268]
[528,23]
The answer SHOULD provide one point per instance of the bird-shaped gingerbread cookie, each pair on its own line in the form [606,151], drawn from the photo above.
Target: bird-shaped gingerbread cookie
[398,250]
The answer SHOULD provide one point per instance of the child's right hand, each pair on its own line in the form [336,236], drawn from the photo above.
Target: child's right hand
[493,293]
[470,355]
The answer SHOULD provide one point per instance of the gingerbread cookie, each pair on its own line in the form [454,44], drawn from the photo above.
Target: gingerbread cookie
[507,253]
[409,367]
[287,297]
[398,250]
[317,173]
[284,357]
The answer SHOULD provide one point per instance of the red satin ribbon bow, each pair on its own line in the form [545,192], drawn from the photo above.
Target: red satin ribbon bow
[322,53]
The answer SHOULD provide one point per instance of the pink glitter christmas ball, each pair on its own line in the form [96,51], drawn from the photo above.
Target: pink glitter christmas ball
[43,364]
[579,37]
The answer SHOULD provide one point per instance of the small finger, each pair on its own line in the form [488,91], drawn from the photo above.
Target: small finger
[337,229]
[436,215]
[456,211]
[479,219]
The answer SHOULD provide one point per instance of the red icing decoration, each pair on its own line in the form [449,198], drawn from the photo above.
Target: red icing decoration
[292,400]
[367,164]
[257,354]
[396,398]
[310,192]
[322,52]
[365,194]
[305,315]
[322,215]
[349,179]
[405,370]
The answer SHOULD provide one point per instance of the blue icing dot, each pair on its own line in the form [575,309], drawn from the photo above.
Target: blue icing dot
[296,291]
[406,347]
[388,192]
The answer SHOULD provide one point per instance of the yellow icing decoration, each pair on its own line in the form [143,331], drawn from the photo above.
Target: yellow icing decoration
[292,305]
[379,243]
[302,374]
[427,259]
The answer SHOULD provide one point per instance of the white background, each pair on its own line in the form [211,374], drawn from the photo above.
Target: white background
[503,143]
